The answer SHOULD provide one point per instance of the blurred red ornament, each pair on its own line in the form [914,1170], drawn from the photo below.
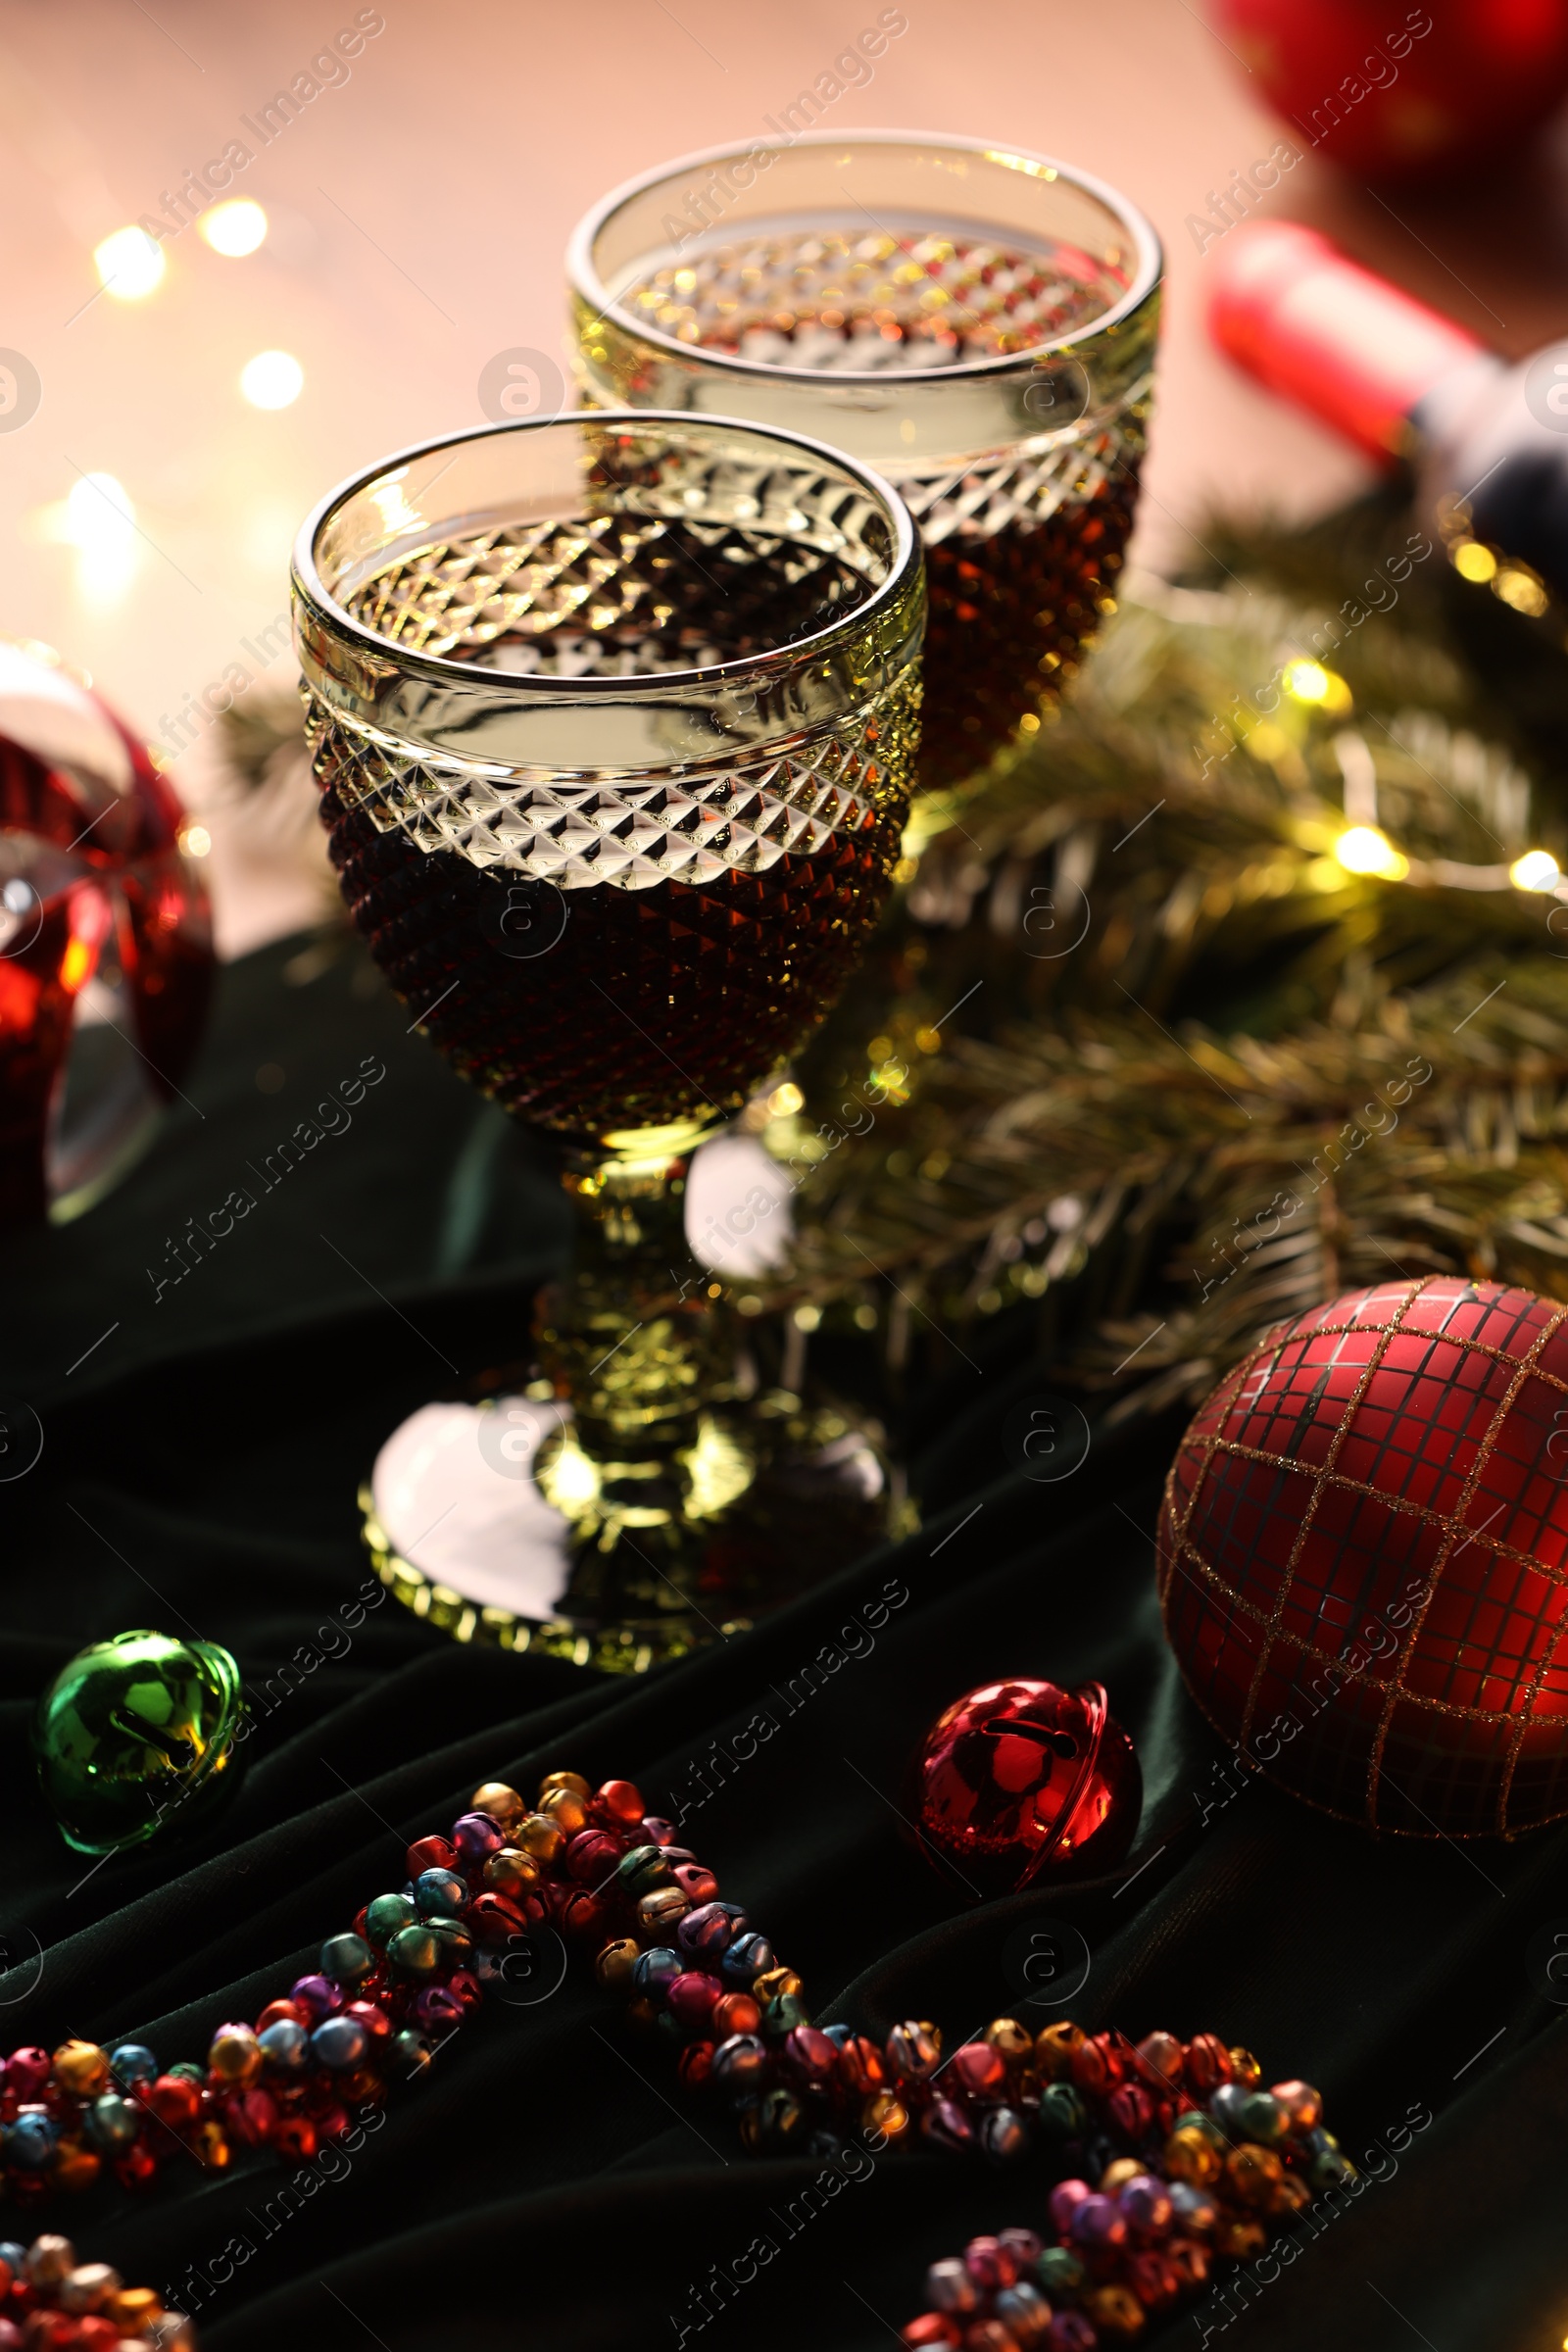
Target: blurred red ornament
[106,957]
[1022,1779]
[1362,83]
[1363,1557]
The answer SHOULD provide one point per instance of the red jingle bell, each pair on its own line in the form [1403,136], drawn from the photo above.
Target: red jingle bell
[1363,1557]
[1019,1780]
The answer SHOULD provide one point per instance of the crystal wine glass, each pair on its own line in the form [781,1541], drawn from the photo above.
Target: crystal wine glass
[976,322]
[614,720]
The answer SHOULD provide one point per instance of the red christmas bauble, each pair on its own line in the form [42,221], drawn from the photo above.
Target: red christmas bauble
[1363,1557]
[106,953]
[1356,80]
[1019,1780]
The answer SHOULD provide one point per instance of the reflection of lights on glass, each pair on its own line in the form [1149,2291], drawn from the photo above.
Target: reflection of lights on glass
[131,264]
[233,229]
[806,1318]
[1537,869]
[273,379]
[195,841]
[1363,850]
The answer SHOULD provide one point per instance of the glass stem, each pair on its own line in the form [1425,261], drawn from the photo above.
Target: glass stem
[633,1342]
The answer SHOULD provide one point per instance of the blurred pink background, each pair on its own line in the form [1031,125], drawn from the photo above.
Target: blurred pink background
[419,211]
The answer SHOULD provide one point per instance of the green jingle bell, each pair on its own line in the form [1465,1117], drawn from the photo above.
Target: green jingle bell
[137,1735]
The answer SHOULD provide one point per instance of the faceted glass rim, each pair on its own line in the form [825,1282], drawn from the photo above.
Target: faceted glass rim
[904,569]
[584,276]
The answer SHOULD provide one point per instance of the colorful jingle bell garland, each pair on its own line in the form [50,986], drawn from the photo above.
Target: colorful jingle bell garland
[1125,2245]
[590,1864]
[50,2302]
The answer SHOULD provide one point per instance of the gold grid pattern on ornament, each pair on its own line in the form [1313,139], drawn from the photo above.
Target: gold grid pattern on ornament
[1022,492]
[872,303]
[630,830]
[1522,1501]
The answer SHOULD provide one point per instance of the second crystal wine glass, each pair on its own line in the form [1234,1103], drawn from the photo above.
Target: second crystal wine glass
[976,322]
[614,720]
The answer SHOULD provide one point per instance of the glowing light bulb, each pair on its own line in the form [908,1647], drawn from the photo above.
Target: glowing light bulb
[273,379]
[1537,869]
[130,264]
[1308,681]
[1473,562]
[234,227]
[786,1099]
[195,841]
[1363,850]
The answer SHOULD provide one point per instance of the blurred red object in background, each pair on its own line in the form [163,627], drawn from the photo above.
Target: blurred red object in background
[106,957]
[1396,92]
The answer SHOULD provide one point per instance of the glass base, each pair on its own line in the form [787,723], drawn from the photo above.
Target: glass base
[457,1529]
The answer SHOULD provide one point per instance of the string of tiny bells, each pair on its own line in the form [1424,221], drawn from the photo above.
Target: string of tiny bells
[1187,2151]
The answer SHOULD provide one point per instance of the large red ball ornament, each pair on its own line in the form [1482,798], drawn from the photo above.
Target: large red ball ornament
[1361,82]
[1020,1779]
[1363,1557]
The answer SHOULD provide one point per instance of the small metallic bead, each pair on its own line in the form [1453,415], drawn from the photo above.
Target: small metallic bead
[1244,2069]
[978,2070]
[771,1983]
[511,1871]
[1060,2270]
[641,1869]
[1097,2224]
[948,2287]
[539,1835]
[503,1804]
[655,1968]
[49,2260]
[741,2063]
[1227,2106]
[416,1950]
[74,2167]
[614,1965]
[285,2047]
[691,1998]
[1013,2043]
[1207,2065]
[563,1779]
[385,1915]
[784,2016]
[476,1836]
[339,2043]
[1264,2118]
[695,1882]
[810,2055]
[132,2064]
[315,1996]
[621,1802]
[566,1809]
[437,1893]
[1145,2206]
[346,1959]
[780,2119]
[1254,2175]
[1056,2047]
[1023,2245]
[711,1929]
[109,2123]
[430,1853]
[750,1956]
[1005,2134]
[1163,2056]
[914,2050]
[409,2056]
[945,2124]
[662,1908]
[234,2054]
[1301,2103]
[1114,2310]
[1063,2115]
[90,2285]
[81,2067]
[132,2309]
[885,2116]
[1023,2311]
[1116,2175]
[734,2013]
[989,2263]
[860,2064]
[1191,2209]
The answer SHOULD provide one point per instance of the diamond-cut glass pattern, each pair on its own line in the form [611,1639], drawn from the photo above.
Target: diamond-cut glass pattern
[870,302]
[1023,546]
[1363,1557]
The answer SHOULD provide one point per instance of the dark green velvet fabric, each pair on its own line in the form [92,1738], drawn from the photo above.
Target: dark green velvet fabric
[548,2186]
